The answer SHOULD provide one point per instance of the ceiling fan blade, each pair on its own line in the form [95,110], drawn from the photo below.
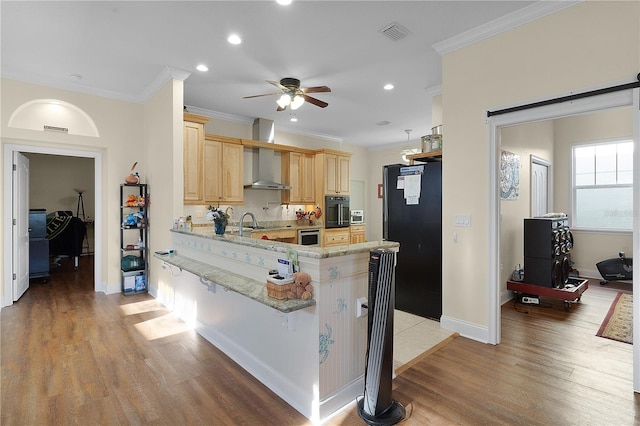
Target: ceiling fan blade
[315,89]
[316,102]
[280,108]
[266,94]
[277,84]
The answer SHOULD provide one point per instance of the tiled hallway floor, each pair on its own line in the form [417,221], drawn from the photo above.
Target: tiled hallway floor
[414,335]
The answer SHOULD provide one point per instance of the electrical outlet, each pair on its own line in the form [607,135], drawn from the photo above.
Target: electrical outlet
[362,308]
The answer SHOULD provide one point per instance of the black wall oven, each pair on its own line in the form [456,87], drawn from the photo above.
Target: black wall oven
[336,211]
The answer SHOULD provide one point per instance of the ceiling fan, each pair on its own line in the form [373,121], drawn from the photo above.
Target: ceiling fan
[293,95]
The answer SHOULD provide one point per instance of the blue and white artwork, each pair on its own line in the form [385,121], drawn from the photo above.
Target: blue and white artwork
[509,175]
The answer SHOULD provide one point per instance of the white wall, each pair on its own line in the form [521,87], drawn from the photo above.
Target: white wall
[163,134]
[120,142]
[589,247]
[591,44]
[524,140]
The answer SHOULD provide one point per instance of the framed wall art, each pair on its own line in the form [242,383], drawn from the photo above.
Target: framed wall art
[509,175]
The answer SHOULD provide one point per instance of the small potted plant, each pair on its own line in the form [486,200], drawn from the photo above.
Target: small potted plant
[219,218]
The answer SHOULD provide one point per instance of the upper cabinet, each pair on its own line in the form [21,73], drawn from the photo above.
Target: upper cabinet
[298,171]
[335,165]
[193,141]
[223,168]
[213,165]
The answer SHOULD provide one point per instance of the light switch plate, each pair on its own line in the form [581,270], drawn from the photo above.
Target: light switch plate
[462,220]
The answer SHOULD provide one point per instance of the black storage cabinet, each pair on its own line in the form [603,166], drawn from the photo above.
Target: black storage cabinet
[38,244]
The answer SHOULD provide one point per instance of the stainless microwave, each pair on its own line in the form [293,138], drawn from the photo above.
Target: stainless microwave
[357,216]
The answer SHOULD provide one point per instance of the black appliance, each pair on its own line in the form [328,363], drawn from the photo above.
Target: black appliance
[547,246]
[336,211]
[377,407]
[38,244]
[412,209]
[616,269]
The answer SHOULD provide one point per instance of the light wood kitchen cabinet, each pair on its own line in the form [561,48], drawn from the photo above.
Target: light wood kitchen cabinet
[283,235]
[335,167]
[298,171]
[337,174]
[193,142]
[223,164]
[335,237]
[358,234]
[212,165]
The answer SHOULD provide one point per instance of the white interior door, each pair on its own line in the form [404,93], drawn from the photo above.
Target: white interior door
[539,188]
[20,225]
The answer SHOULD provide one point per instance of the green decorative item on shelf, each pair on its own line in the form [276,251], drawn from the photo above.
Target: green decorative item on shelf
[131,263]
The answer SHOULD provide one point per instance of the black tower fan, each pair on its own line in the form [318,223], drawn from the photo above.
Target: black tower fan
[377,407]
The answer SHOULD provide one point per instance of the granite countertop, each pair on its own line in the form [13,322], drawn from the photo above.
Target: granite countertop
[237,283]
[305,251]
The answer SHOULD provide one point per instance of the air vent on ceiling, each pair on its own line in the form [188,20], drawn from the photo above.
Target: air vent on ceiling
[395,31]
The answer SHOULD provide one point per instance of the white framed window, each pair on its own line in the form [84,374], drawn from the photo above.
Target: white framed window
[602,186]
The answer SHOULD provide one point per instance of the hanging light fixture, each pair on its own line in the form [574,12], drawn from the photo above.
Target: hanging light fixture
[284,101]
[297,102]
[408,151]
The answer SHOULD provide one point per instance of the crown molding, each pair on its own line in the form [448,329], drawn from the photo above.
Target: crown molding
[220,115]
[249,120]
[505,23]
[167,74]
[71,86]
[434,90]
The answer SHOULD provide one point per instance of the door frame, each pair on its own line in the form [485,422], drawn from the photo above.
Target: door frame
[621,99]
[23,146]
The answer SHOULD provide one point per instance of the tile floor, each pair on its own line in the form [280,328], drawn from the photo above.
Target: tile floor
[413,335]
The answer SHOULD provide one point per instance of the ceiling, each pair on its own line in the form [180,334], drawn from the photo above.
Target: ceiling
[126,50]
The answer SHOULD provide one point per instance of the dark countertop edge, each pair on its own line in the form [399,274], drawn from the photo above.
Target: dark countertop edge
[196,268]
[281,247]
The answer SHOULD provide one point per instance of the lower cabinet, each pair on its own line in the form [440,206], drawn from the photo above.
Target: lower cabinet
[335,237]
[358,234]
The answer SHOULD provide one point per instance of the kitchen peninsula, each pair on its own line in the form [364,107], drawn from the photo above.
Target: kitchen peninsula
[309,352]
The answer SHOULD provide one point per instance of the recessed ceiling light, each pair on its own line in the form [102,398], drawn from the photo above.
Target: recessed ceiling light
[75,76]
[293,119]
[284,2]
[383,123]
[202,67]
[234,39]
[388,86]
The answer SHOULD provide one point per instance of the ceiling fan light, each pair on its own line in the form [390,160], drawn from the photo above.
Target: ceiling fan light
[297,102]
[284,101]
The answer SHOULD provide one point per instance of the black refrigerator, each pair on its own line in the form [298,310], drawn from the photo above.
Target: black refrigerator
[412,216]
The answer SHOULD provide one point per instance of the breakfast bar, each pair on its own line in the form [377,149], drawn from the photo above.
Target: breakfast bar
[311,353]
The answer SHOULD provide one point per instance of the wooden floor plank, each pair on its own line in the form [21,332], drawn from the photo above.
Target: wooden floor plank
[73,356]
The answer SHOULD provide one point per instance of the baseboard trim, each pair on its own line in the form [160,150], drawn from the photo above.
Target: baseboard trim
[465,329]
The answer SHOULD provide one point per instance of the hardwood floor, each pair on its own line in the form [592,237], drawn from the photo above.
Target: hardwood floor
[73,356]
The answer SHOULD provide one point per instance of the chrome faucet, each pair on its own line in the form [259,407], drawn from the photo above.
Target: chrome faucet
[253,217]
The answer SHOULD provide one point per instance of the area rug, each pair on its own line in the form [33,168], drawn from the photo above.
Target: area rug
[618,324]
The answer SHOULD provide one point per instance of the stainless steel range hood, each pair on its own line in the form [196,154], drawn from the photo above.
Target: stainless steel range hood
[263,174]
